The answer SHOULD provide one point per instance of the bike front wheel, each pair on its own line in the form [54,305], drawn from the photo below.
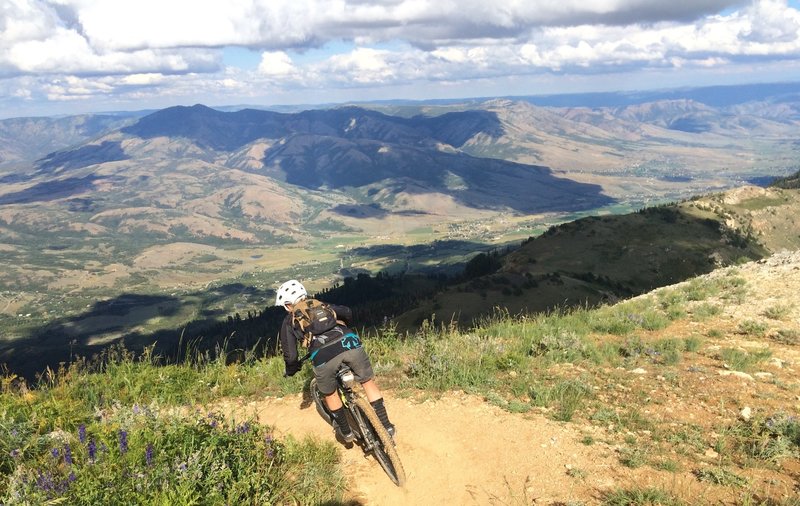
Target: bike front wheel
[319,402]
[383,446]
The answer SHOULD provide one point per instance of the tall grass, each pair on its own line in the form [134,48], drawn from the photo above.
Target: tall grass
[641,496]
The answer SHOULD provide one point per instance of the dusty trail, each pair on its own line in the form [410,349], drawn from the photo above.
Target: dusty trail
[460,450]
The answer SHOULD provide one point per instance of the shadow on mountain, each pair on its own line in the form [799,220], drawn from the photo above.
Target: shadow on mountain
[50,190]
[352,147]
[124,319]
[84,156]
[361,210]
[228,131]
[419,251]
[481,183]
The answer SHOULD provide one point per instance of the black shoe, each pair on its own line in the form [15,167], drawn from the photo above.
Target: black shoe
[341,435]
[391,430]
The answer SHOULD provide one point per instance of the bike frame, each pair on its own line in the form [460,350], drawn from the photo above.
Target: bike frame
[370,433]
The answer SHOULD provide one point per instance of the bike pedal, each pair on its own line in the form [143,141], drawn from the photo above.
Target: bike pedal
[344,438]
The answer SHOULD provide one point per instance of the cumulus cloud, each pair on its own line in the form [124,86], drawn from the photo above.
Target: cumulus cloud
[276,64]
[76,48]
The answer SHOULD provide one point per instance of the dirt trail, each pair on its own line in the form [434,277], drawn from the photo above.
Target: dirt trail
[459,450]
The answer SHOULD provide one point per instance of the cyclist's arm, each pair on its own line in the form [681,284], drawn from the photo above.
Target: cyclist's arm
[343,313]
[289,338]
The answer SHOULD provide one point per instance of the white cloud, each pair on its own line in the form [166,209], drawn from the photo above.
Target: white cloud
[143,79]
[363,65]
[276,64]
[147,48]
[451,54]
[75,88]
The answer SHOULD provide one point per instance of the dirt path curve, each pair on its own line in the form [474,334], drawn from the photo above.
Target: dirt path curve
[459,450]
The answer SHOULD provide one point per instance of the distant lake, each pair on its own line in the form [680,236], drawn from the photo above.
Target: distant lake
[676,179]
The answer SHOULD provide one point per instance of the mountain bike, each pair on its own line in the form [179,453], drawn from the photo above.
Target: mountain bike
[370,433]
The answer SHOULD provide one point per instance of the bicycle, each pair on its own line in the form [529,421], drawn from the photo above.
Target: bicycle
[370,433]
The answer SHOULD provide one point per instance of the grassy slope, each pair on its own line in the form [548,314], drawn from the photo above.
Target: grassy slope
[643,379]
[605,258]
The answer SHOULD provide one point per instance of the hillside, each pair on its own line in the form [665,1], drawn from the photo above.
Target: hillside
[583,263]
[25,140]
[606,258]
[684,396]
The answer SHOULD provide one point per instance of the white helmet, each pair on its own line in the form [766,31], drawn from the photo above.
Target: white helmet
[290,293]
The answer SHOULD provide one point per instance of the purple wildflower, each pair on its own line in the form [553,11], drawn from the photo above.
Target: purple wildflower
[72,477]
[136,409]
[243,428]
[45,481]
[268,438]
[54,453]
[148,455]
[15,453]
[123,441]
[270,453]
[92,447]
[82,433]
[67,454]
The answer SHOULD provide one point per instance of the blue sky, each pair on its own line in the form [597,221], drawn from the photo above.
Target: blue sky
[75,56]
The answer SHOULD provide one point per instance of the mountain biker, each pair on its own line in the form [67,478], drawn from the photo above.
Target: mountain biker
[339,345]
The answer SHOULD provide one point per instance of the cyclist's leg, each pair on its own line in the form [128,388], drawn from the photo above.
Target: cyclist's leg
[333,401]
[371,390]
[358,360]
[340,425]
[325,375]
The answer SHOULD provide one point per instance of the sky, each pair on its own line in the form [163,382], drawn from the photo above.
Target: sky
[78,56]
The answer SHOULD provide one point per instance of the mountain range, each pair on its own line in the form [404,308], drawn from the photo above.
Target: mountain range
[176,201]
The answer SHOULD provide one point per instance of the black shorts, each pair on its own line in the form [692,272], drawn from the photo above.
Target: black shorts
[356,358]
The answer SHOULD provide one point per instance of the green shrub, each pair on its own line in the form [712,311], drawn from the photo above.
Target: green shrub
[787,336]
[669,466]
[739,360]
[706,310]
[566,395]
[720,476]
[641,497]
[697,290]
[778,311]
[669,350]
[633,457]
[752,328]
[771,439]
[623,319]
[692,343]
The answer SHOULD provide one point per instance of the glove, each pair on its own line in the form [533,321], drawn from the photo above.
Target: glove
[292,368]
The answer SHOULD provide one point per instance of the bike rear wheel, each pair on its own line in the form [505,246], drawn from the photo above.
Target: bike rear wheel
[383,446]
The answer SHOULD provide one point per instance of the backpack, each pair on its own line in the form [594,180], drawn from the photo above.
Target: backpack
[313,317]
